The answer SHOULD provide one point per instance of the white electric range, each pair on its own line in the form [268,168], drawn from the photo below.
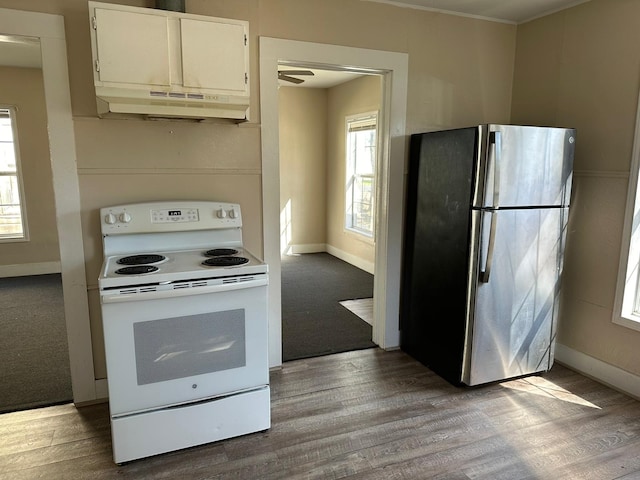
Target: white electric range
[184,311]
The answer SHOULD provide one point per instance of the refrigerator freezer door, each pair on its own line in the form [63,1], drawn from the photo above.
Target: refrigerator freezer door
[513,321]
[528,166]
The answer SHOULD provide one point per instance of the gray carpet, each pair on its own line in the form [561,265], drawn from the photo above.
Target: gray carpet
[313,321]
[34,354]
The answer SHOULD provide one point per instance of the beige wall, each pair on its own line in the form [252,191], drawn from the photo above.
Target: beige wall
[23,88]
[303,166]
[460,73]
[581,68]
[355,97]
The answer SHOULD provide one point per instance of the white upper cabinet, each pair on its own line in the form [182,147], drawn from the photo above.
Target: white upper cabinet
[213,55]
[132,48]
[158,62]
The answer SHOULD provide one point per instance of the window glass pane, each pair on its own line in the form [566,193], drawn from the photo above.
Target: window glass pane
[6,135]
[362,217]
[361,164]
[365,149]
[7,158]
[10,214]
[7,153]
[12,219]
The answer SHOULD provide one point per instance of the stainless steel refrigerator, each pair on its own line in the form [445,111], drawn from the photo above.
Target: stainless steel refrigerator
[485,230]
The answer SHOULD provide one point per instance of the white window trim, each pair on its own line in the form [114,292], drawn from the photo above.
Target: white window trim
[13,110]
[629,269]
[369,238]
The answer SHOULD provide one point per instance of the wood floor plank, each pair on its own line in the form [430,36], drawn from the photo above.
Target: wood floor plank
[368,415]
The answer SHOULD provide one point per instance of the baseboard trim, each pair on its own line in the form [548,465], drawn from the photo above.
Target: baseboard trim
[306,248]
[26,269]
[598,370]
[101,394]
[368,267]
[102,388]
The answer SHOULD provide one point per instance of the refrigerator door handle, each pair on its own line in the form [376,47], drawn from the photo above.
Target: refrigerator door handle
[484,274]
[495,147]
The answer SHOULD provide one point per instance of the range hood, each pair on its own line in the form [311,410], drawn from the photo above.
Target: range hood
[166,63]
[170,103]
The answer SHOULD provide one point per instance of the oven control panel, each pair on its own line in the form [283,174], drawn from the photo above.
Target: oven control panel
[175,215]
[169,217]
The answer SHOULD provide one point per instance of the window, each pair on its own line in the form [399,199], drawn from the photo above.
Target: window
[626,309]
[361,142]
[12,216]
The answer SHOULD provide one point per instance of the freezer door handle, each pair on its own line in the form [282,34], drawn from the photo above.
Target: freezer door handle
[495,146]
[484,273]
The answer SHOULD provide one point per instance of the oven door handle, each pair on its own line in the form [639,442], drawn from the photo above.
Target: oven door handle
[183,292]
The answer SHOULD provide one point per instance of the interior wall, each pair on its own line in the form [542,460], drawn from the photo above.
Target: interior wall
[24,89]
[581,68]
[358,96]
[460,73]
[303,166]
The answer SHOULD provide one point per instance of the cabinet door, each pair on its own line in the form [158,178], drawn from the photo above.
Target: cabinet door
[132,47]
[214,56]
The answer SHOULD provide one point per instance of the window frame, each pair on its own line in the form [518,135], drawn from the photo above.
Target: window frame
[626,309]
[364,117]
[13,116]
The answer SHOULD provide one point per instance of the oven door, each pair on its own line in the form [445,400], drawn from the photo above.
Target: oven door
[173,347]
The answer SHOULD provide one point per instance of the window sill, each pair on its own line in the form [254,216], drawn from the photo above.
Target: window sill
[630,321]
[13,239]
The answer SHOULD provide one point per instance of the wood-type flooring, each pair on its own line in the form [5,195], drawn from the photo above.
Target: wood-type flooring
[368,415]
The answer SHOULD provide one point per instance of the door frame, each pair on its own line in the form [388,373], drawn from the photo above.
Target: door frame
[49,29]
[393,67]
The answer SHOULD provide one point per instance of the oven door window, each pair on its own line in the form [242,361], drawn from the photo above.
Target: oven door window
[181,347]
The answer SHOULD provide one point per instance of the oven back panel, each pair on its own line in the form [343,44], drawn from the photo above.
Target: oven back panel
[179,215]
[166,226]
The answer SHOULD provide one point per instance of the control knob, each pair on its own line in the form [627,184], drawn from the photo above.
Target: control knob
[110,219]
[233,213]
[125,217]
[222,213]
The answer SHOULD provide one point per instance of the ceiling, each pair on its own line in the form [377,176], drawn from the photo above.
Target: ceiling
[319,79]
[511,11]
[20,51]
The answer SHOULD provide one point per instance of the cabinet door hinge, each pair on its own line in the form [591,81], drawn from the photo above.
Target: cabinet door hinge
[245,40]
[97,65]
[246,78]
[94,22]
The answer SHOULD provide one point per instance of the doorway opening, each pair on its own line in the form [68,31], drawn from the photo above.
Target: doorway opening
[33,349]
[328,196]
[48,31]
